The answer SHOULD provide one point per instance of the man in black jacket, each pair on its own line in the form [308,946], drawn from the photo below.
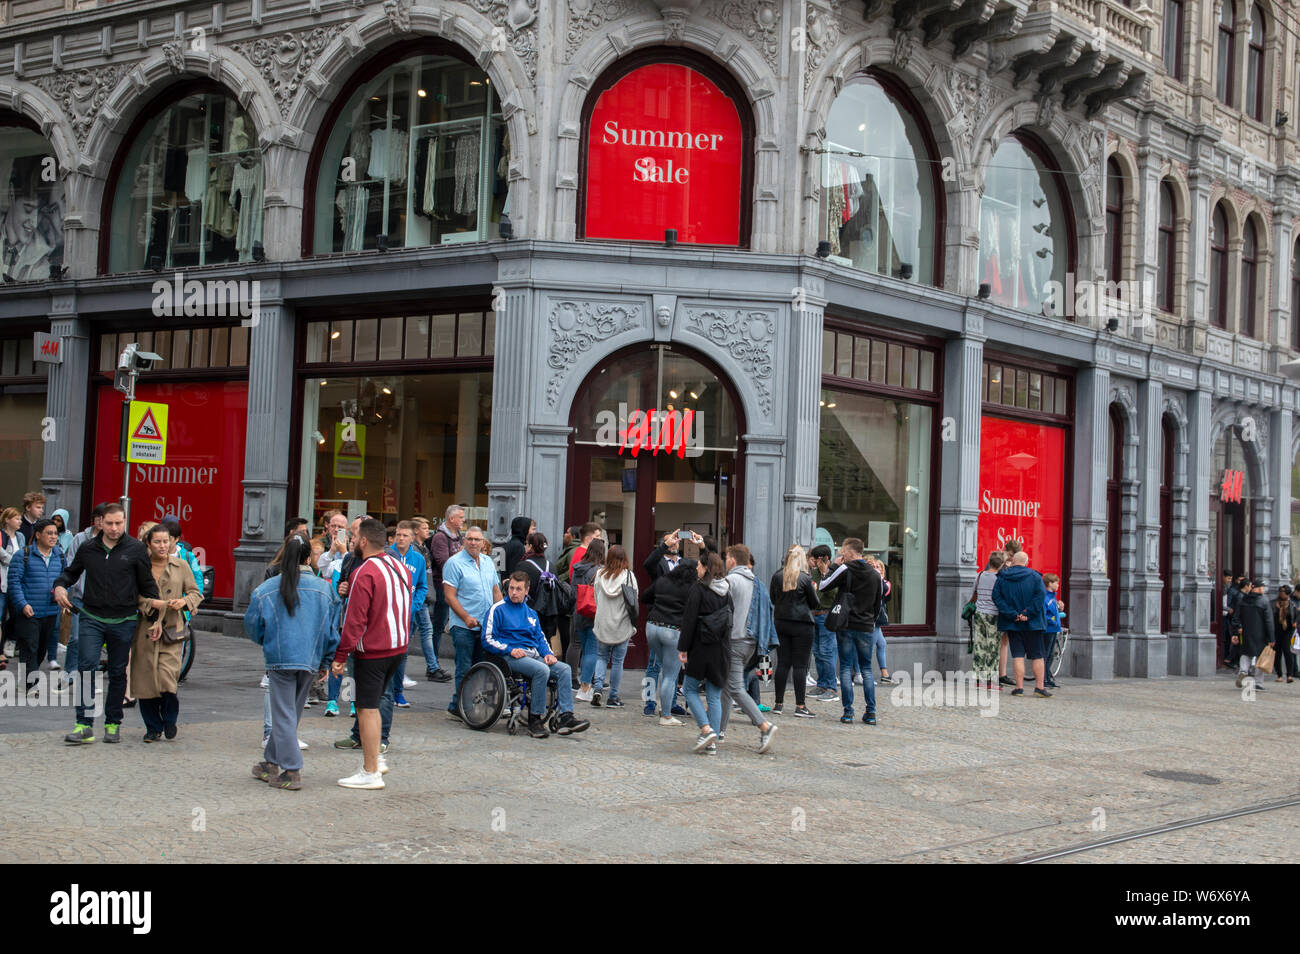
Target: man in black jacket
[117,573]
[1256,619]
[520,528]
[854,577]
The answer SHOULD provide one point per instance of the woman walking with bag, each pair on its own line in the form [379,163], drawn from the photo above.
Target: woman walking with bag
[583,574]
[1284,623]
[794,598]
[535,564]
[704,644]
[615,624]
[988,641]
[156,655]
[294,618]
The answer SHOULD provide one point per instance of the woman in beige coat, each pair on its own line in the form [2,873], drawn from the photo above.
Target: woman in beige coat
[155,660]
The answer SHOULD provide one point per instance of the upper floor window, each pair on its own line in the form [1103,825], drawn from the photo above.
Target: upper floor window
[1024,227]
[1255,66]
[1165,250]
[878,194]
[31,203]
[1173,27]
[1114,221]
[1249,275]
[189,191]
[1219,268]
[1224,87]
[418,154]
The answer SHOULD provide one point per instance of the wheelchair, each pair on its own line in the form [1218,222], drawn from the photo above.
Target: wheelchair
[490,686]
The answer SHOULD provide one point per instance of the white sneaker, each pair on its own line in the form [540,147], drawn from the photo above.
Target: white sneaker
[54,666]
[810,682]
[302,744]
[383,765]
[409,683]
[363,779]
[266,682]
[583,695]
[670,720]
[857,680]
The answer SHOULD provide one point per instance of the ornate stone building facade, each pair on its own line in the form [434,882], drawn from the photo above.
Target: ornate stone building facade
[922,189]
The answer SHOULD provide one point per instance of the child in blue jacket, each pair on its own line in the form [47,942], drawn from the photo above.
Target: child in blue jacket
[1053,613]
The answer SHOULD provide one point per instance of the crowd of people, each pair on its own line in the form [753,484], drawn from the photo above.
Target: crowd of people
[339,609]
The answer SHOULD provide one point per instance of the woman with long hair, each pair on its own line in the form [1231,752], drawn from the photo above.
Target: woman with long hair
[292,617]
[703,646]
[1284,626]
[584,574]
[794,599]
[615,625]
[666,595]
[156,654]
[535,564]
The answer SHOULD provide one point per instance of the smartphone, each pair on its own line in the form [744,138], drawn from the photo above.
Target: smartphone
[341,538]
[683,535]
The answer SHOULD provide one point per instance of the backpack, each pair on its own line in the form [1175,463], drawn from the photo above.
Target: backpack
[585,599]
[554,597]
[714,628]
[838,618]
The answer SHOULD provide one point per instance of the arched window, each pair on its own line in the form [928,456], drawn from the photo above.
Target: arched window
[1024,226]
[1295,298]
[189,187]
[1249,273]
[33,204]
[1166,250]
[417,153]
[1255,65]
[1114,221]
[878,182]
[1173,27]
[1223,85]
[1219,268]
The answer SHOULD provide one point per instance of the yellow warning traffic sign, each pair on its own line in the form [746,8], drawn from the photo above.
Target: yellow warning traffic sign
[147,430]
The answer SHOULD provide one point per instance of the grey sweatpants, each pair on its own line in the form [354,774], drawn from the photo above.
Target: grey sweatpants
[288,695]
[741,651]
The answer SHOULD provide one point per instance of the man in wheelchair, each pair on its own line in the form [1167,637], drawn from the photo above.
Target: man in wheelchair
[513,631]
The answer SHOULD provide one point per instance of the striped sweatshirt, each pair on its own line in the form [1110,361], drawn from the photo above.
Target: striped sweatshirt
[377,620]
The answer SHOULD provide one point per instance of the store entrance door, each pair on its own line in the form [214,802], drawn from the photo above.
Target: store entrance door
[655,450]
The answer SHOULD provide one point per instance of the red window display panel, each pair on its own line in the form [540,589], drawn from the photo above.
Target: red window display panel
[201,479]
[1022,490]
[664,151]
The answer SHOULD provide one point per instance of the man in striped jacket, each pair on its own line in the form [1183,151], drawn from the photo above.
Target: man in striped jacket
[377,627]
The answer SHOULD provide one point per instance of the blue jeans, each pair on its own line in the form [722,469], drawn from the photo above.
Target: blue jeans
[71,657]
[650,681]
[117,637]
[609,658]
[539,673]
[393,686]
[824,651]
[469,650]
[663,650]
[428,645]
[878,642]
[855,646]
[712,717]
[586,637]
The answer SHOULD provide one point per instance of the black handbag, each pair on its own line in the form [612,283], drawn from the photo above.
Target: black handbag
[630,600]
[837,619]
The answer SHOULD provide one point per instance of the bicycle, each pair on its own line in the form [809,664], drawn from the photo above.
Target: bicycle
[1058,652]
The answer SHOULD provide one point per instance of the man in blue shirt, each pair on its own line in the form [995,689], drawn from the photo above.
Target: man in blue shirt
[414,561]
[470,585]
[513,630]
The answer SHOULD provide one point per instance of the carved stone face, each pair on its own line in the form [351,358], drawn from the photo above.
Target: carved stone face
[663,315]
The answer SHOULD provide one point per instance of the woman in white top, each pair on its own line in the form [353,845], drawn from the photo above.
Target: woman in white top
[615,625]
[987,640]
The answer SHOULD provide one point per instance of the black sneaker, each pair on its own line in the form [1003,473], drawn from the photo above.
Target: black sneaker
[1006,681]
[596,698]
[803,712]
[169,731]
[869,718]
[777,709]
[152,736]
[615,703]
[1043,693]
[535,727]
[440,675]
[567,724]
[1017,692]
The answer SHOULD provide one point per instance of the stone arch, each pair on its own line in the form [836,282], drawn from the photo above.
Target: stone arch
[1122,577]
[1183,245]
[732,53]
[1232,416]
[35,104]
[369,36]
[1130,199]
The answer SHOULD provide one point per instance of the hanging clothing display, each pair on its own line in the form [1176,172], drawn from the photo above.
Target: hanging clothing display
[465,200]
[388,152]
[218,215]
[425,176]
[196,175]
[353,204]
[246,191]
[835,204]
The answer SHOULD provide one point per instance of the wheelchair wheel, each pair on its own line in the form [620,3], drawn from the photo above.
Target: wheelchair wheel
[482,696]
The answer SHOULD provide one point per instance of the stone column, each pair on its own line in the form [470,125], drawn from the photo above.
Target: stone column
[1092,649]
[266,447]
[764,488]
[1281,428]
[1150,647]
[512,373]
[958,559]
[548,463]
[1198,651]
[803,416]
[67,397]
[1200,182]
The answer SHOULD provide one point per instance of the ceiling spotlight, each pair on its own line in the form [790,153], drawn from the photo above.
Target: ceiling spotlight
[334,336]
[862,127]
[694,396]
[673,395]
[421,93]
[387,390]
[323,383]
[832,404]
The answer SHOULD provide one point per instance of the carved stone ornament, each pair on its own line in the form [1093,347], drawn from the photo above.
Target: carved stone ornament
[576,326]
[174,54]
[285,59]
[904,45]
[972,98]
[1202,555]
[759,21]
[398,13]
[81,94]
[586,16]
[822,31]
[514,25]
[969,533]
[747,336]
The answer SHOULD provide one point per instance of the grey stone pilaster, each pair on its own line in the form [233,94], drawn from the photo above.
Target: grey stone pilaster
[764,487]
[1196,650]
[1149,654]
[66,399]
[266,458]
[513,364]
[1281,424]
[1091,648]
[803,418]
[548,462]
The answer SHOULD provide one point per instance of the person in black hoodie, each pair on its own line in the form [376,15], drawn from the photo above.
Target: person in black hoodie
[704,645]
[667,596]
[514,548]
[794,599]
[1284,621]
[855,577]
[1256,619]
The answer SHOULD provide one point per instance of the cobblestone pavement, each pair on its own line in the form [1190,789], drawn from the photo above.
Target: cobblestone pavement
[925,785]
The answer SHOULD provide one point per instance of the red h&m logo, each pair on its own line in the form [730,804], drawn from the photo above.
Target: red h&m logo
[50,347]
[1230,491]
[655,431]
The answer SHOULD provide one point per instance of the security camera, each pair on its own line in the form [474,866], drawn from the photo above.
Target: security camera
[133,359]
[145,360]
